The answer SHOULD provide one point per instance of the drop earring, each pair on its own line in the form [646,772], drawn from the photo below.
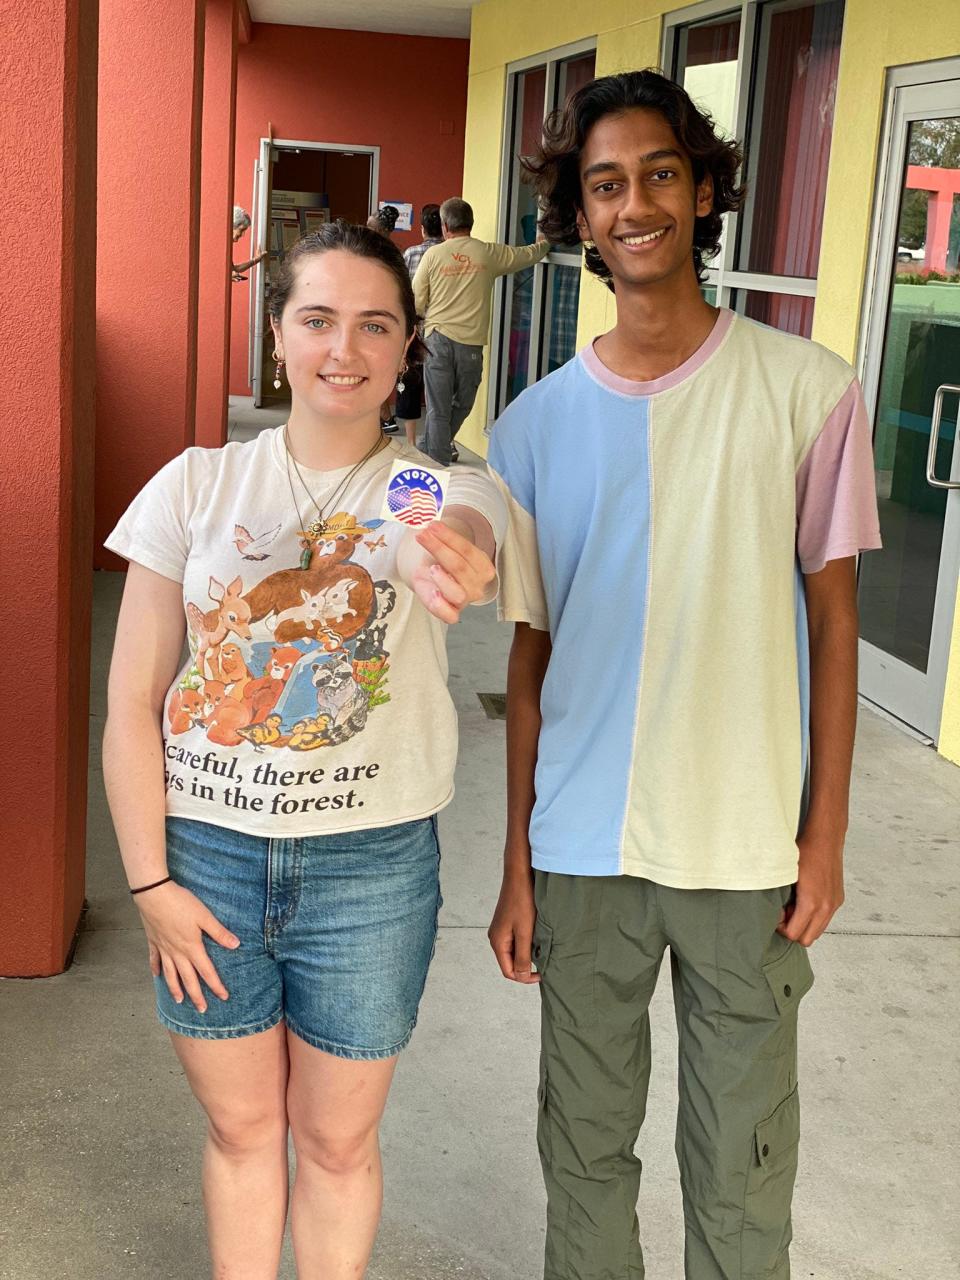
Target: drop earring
[276,376]
[401,386]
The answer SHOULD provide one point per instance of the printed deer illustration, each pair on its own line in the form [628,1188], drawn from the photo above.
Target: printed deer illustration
[232,614]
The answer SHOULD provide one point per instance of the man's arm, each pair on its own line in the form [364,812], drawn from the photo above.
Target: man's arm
[833,629]
[505,259]
[421,287]
[245,266]
[511,932]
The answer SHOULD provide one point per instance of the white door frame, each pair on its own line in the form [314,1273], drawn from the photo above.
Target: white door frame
[927,91]
[262,188]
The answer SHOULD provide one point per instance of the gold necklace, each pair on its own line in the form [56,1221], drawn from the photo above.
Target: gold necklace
[320,526]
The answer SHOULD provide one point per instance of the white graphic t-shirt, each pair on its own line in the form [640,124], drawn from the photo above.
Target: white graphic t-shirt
[314,698]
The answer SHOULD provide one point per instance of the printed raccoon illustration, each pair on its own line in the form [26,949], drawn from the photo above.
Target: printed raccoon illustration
[340,698]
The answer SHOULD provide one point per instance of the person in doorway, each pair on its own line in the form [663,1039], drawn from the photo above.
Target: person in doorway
[409,400]
[275,798]
[241,221]
[691,492]
[383,222]
[452,286]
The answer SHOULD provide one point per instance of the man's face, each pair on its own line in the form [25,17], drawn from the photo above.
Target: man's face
[639,197]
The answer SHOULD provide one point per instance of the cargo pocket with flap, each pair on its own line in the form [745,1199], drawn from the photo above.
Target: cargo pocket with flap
[789,978]
[770,1178]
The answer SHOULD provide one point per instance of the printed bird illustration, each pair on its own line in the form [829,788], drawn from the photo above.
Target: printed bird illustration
[377,544]
[262,735]
[250,547]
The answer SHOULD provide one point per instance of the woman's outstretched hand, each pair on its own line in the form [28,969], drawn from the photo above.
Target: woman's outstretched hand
[175,921]
[458,574]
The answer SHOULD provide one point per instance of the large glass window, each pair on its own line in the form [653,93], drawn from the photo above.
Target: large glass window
[791,312]
[788,137]
[535,310]
[767,73]
[706,57]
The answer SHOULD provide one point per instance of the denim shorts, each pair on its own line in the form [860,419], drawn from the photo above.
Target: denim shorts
[336,933]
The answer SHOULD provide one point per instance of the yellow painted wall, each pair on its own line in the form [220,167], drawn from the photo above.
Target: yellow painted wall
[876,35]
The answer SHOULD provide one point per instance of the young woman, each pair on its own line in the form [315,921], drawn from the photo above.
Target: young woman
[275,798]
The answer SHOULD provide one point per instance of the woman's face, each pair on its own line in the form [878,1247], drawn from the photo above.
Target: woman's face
[342,335]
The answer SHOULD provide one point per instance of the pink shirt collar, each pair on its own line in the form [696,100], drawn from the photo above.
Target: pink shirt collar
[627,387]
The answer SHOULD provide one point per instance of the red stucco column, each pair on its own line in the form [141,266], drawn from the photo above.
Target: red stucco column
[151,90]
[942,186]
[216,207]
[48,202]
[939,213]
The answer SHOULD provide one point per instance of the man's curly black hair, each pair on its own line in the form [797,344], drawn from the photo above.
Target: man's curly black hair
[554,170]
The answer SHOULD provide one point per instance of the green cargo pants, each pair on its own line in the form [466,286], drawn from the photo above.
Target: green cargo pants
[737,983]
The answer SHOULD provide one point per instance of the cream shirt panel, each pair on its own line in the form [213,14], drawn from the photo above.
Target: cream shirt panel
[522,597]
[721,628]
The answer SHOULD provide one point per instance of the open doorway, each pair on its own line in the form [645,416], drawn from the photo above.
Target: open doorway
[298,186]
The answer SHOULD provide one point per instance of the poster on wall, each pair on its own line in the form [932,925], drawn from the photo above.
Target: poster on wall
[405,209]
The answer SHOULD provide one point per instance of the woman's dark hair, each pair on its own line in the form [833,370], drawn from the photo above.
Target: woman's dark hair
[388,217]
[430,220]
[364,243]
[555,168]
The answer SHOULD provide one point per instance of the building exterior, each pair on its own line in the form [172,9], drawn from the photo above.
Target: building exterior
[160,114]
[850,115]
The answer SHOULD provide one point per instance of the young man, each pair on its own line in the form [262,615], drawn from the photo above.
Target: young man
[687,498]
[452,287]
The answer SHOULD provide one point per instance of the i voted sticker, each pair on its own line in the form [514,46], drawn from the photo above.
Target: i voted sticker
[415,494]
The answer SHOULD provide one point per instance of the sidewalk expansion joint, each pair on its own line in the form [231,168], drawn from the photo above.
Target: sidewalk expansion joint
[873,933]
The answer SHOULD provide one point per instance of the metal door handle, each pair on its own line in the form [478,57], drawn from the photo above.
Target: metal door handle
[934,438]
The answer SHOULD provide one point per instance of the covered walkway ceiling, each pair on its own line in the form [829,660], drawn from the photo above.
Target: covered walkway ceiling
[411,17]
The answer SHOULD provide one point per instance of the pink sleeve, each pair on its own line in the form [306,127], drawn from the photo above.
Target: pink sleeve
[836,490]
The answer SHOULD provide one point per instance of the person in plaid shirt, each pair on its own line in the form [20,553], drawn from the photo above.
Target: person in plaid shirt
[432,234]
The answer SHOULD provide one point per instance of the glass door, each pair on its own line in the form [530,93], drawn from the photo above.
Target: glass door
[535,311]
[297,186]
[908,591]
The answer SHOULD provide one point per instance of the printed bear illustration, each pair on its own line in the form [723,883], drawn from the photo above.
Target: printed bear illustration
[263,694]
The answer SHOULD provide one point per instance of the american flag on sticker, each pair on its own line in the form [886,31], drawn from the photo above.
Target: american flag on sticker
[414,494]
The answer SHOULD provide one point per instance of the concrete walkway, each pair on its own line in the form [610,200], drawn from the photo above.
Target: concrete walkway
[101,1138]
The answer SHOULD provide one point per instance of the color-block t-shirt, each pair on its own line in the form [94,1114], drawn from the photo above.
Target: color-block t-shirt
[658,531]
[314,699]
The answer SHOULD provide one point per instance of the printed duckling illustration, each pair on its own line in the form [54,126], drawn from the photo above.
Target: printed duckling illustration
[262,735]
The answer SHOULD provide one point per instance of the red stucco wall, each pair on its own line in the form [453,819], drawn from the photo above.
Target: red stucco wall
[48,199]
[216,221]
[405,94]
[148,225]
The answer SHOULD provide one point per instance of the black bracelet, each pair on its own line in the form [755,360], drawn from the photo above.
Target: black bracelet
[144,887]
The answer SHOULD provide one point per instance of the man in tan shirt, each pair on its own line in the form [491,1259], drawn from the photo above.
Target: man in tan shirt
[452,287]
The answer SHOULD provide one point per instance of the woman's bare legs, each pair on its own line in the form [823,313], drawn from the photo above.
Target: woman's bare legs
[334,1107]
[410,428]
[241,1085]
